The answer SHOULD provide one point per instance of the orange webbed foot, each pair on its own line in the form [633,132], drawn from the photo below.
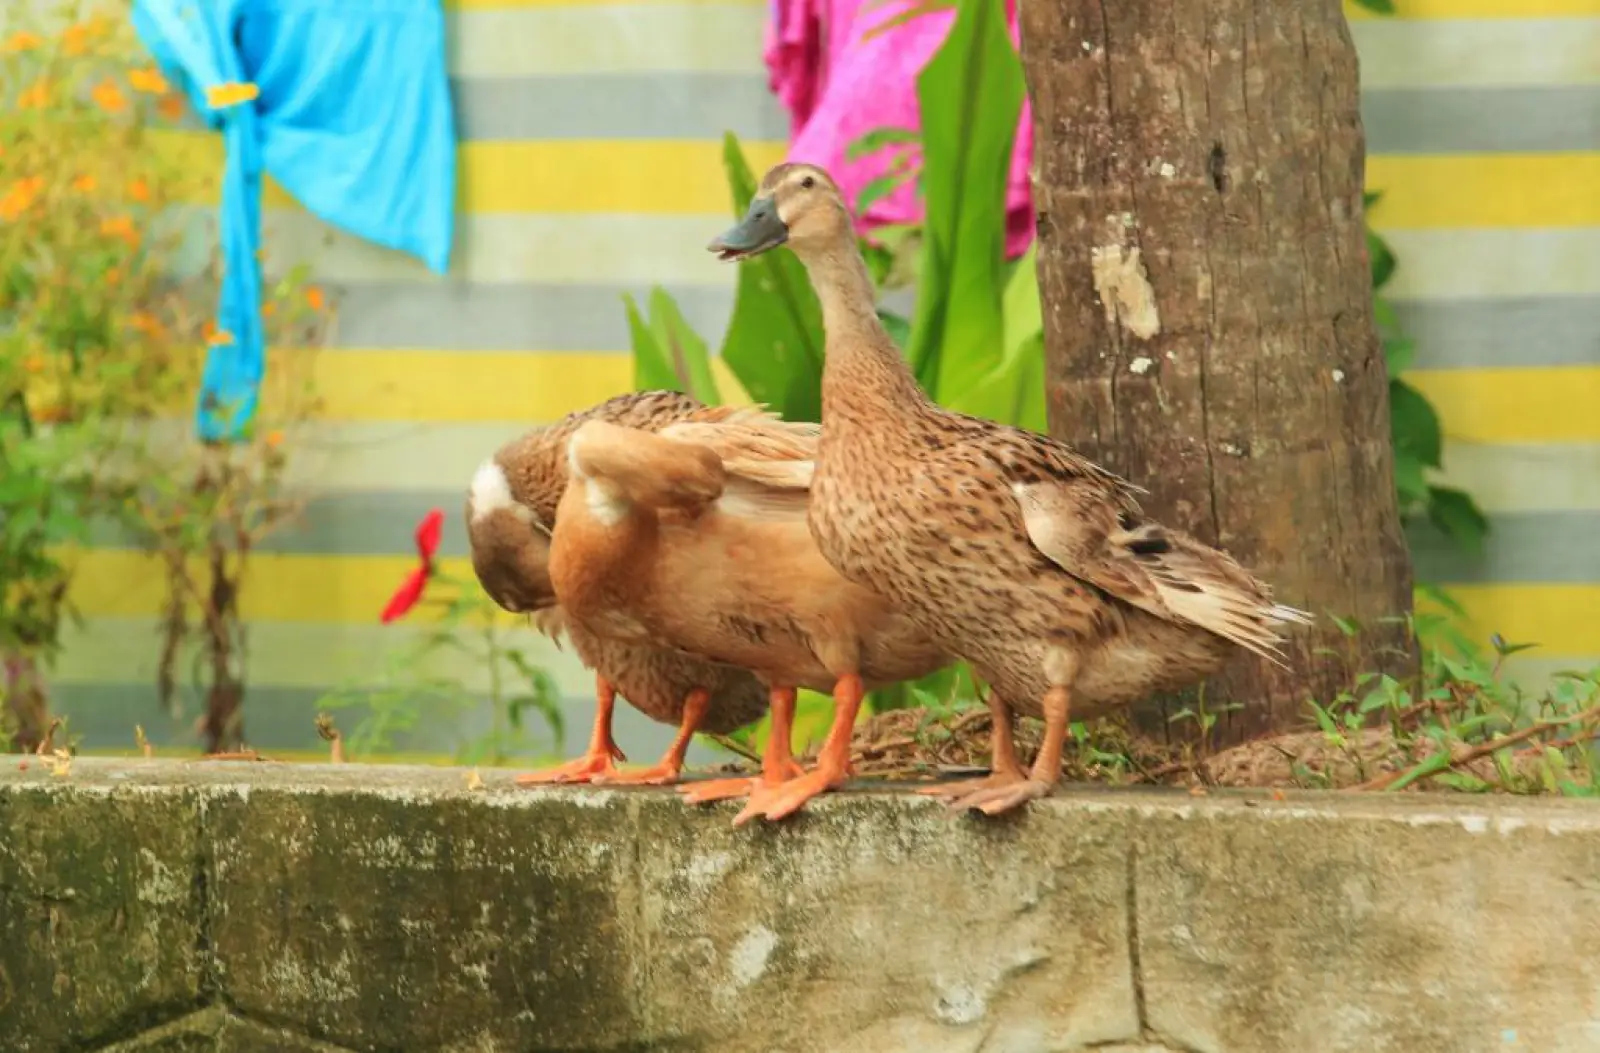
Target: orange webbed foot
[587,768]
[1002,794]
[707,791]
[786,798]
[658,775]
[949,791]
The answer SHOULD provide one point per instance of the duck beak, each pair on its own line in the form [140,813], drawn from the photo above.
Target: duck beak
[760,230]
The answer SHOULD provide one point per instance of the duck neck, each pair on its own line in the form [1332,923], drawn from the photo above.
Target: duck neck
[863,367]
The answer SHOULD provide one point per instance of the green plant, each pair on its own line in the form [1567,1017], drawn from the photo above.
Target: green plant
[99,334]
[410,693]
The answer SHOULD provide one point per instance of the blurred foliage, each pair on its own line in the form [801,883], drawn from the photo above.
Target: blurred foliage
[415,693]
[102,336]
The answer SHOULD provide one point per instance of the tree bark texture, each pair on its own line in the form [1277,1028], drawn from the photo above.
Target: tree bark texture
[1208,307]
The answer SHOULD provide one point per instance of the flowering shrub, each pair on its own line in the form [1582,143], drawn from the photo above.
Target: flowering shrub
[102,339]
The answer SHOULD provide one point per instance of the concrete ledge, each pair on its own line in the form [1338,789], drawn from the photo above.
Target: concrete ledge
[171,907]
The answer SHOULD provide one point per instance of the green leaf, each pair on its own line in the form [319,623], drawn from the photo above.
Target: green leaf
[774,339]
[1397,354]
[970,95]
[1377,7]
[652,370]
[682,347]
[877,139]
[876,190]
[1410,479]
[1413,424]
[898,326]
[1382,259]
[1458,515]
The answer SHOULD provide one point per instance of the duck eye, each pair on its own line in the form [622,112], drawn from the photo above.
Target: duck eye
[807,183]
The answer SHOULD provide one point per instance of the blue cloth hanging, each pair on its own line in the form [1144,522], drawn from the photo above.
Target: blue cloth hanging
[353,118]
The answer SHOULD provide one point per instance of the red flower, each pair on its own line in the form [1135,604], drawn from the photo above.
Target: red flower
[410,590]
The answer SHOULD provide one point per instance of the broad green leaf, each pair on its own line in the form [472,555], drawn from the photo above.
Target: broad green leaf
[682,347]
[899,328]
[1377,7]
[1397,354]
[877,139]
[1409,478]
[1021,311]
[916,10]
[1413,423]
[1454,512]
[970,94]
[774,339]
[876,190]
[652,370]
[1382,259]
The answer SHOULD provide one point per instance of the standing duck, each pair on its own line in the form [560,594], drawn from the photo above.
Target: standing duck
[510,507]
[696,537]
[1011,550]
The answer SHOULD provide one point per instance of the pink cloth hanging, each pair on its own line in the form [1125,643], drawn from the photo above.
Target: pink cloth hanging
[837,87]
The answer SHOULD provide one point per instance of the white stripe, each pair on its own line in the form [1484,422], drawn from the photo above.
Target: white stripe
[614,38]
[578,249]
[1501,263]
[631,251]
[1490,52]
[286,654]
[1526,477]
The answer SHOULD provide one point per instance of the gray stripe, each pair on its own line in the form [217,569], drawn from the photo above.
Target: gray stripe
[686,105]
[1527,332]
[281,718]
[1523,546]
[665,105]
[1450,334]
[1481,120]
[459,316]
[1544,547]
[619,106]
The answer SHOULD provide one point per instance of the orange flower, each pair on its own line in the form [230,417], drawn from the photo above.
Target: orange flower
[84,184]
[113,277]
[139,190]
[20,197]
[221,96]
[274,439]
[144,322]
[315,299]
[22,40]
[109,97]
[33,364]
[75,40]
[35,96]
[148,81]
[269,309]
[214,336]
[121,228]
[171,106]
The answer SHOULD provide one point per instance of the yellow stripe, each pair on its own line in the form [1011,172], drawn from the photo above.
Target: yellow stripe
[1515,405]
[1559,618]
[1486,190]
[454,386]
[354,589]
[1481,9]
[685,177]
[659,177]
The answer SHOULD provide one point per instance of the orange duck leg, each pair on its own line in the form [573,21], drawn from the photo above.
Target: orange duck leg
[777,763]
[671,765]
[598,759]
[833,763]
[1005,769]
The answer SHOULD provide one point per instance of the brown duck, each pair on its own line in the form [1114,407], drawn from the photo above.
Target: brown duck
[1010,549]
[510,507]
[695,537]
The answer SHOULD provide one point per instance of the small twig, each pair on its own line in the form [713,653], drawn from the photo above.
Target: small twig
[331,735]
[1484,749]
[142,742]
[48,743]
[734,746]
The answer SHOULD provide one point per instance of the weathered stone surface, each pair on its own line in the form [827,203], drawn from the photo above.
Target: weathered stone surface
[100,909]
[324,910]
[1378,925]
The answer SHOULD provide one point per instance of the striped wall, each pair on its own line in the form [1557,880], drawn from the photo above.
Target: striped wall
[591,166]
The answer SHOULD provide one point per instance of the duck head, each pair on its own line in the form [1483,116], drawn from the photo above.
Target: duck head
[796,205]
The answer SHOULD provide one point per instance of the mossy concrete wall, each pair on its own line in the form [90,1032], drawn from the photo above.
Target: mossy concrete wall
[182,908]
